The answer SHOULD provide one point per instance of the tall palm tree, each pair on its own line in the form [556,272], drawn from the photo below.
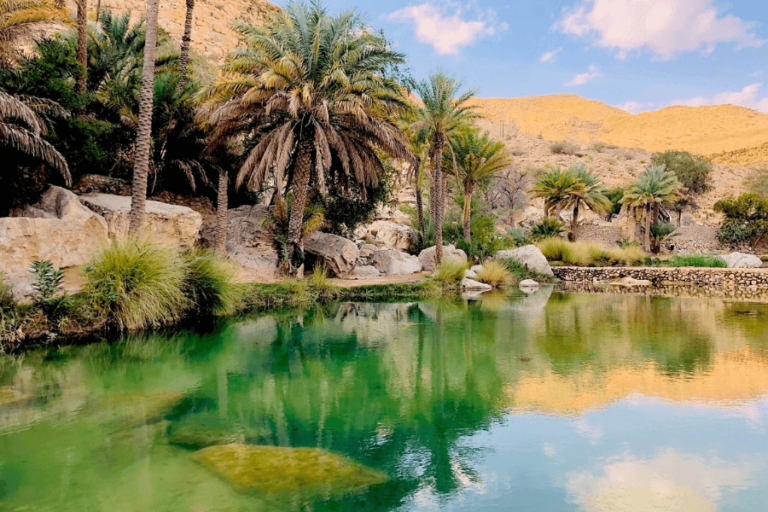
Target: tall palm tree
[443,115]
[557,187]
[591,195]
[22,129]
[186,41]
[654,188]
[82,43]
[479,158]
[310,93]
[143,139]
[19,19]
[418,144]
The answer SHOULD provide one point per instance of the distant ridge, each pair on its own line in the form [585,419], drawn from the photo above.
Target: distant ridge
[727,133]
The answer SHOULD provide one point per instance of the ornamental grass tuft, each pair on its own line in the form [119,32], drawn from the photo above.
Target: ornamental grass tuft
[210,283]
[495,273]
[450,271]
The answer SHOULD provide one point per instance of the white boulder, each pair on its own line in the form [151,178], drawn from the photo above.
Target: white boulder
[470,274]
[365,272]
[530,257]
[337,253]
[388,234]
[739,260]
[395,263]
[427,257]
[168,223]
[474,286]
[529,285]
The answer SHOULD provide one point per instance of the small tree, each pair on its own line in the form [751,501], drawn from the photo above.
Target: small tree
[655,187]
[746,219]
[557,187]
[691,170]
[591,194]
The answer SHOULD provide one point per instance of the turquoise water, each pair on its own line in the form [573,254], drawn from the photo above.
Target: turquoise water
[553,402]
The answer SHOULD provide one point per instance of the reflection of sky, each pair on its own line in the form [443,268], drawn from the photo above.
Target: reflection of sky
[640,455]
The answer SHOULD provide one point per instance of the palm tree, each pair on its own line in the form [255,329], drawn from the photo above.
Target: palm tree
[82,43]
[441,117]
[311,94]
[418,144]
[558,188]
[186,41]
[22,129]
[143,140]
[591,195]
[478,159]
[654,188]
[19,19]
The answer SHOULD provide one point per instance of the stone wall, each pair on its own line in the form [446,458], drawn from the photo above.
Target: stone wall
[212,34]
[725,278]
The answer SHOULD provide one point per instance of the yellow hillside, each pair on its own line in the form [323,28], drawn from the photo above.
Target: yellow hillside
[731,134]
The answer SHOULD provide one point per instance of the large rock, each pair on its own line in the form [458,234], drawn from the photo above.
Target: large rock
[337,253]
[739,260]
[530,257]
[248,244]
[427,257]
[59,228]
[388,234]
[176,225]
[475,286]
[365,272]
[395,263]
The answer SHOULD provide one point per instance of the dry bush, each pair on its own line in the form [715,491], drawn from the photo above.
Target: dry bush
[564,148]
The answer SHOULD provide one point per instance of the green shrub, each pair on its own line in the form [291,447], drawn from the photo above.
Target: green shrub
[450,271]
[624,243]
[698,260]
[494,273]
[661,233]
[691,170]
[518,236]
[547,228]
[137,284]
[734,233]
[210,284]
[6,296]
[518,272]
[614,195]
[320,283]
[746,219]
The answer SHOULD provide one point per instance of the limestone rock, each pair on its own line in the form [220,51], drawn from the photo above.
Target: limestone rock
[59,228]
[739,260]
[428,257]
[389,234]
[177,225]
[395,263]
[249,245]
[366,254]
[338,254]
[529,283]
[470,274]
[476,269]
[474,286]
[530,257]
[365,272]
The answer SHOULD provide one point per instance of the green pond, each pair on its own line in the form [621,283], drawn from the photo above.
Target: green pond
[550,402]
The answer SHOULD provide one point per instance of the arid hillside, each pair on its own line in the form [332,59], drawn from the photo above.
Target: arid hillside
[212,34]
[726,133]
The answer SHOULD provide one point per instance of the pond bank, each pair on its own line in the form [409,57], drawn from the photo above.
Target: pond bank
[749,280]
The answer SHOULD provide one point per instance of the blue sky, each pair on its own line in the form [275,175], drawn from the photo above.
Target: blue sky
[635,54]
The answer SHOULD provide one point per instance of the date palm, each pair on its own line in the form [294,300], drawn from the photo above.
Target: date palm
[81,26]
[143,139]
[312,97]
[479,158]
[444,113]
[20,19]
[591,195]
[557,187]
[186,41]
[655,187]
[22,129]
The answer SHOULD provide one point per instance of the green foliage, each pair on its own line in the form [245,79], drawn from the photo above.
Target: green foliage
[625,243]
[697,260]
[518,272]
[614,195]
[450,272]
[746,219]
[486,239]
[6,297]
[47,282]
[654,187]
[691,170]
[209,283]
[344,213]
[138,284]
[662,232]
[495,273]
[589,254]
[518,236]
[548,227]
[276,224]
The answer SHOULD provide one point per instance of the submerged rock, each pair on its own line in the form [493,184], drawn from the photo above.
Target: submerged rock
[203,436]
[530,257]
[133,409]
[276,469]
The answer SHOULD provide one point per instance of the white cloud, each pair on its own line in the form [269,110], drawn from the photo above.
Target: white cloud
[664,27]
[584,78]
[550,56]
[447,32]
[750,97]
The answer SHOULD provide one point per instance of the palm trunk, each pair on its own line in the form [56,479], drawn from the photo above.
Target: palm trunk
[647,237]
[144,137]
[439,197]
[419,204]
[186,41]
[300,189]
[221,212]
[575,221]
[98,10]
[433,196]
[679,218]
[82,44]
[469,191]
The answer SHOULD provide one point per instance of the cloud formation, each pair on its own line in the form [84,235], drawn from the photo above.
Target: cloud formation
[750,97]
[550,56]
[584,78]
[664,27]
[446,32]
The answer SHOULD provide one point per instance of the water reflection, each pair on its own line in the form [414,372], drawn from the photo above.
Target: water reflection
[553,401]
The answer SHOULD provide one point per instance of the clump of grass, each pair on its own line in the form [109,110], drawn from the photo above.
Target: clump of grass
[698,260]
[589,254]
[6,296]
[518,272]
[495,273]
[563,148]
[630,256]
[210,283]
[318,280]
[450,271]
[138,284]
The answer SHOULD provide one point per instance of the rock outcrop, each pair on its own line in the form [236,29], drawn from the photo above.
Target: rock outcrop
[365,272]
[338,254]
[395,263]
[59,228]
[427,257]
[739,260]
[248,244]
[177,225]
[388,234]
[530,257]
[474,286]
